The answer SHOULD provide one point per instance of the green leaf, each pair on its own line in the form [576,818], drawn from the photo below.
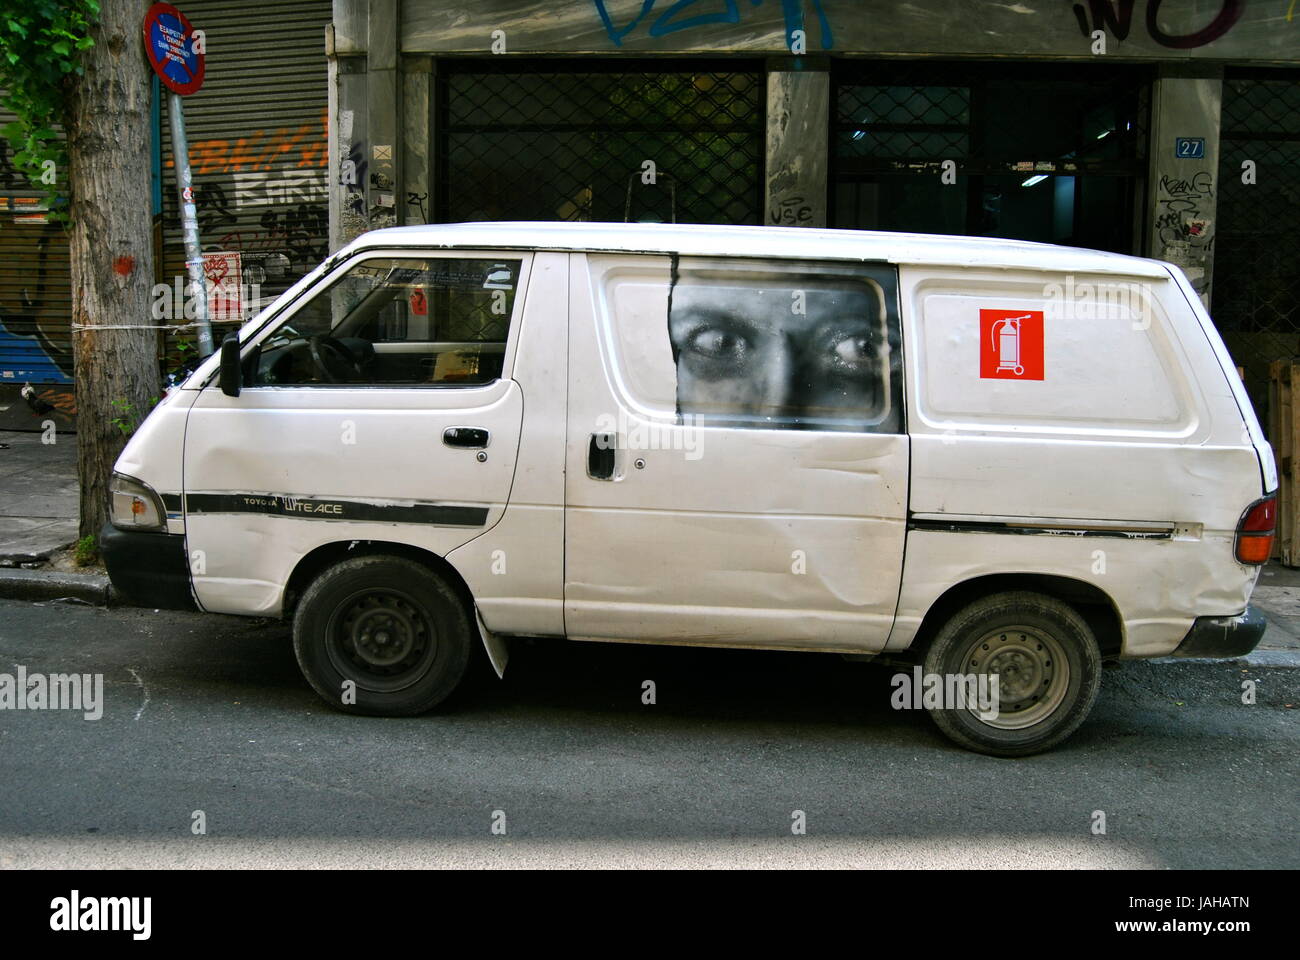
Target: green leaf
[40,50]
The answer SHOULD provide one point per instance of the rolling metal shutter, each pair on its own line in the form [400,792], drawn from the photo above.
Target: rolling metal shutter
[258,144]
[35,283]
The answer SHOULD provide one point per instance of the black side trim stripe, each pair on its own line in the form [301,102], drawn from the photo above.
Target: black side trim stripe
[313,508]
[171,502]
[995,526]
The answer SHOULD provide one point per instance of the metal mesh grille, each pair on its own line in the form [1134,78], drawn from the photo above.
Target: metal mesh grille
[470,319]
[533,142]
[1080,132]
[1256,273]
[891,122]
[991,118]
[477,315]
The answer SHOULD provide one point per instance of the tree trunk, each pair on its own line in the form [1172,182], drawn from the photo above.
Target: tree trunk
[111,249]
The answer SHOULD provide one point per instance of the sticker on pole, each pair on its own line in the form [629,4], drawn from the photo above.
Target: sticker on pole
[175,49]
[1011,344]
[225,273]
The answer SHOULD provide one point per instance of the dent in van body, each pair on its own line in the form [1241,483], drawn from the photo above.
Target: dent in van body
[812,566]
[515,571]
[808,563]
[249,559]
[1158,587]
[1083,479]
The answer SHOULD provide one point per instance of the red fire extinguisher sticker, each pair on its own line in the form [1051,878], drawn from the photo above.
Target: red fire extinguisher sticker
[1011,344]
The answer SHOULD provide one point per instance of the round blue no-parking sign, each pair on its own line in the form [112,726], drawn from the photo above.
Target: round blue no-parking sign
[169,43]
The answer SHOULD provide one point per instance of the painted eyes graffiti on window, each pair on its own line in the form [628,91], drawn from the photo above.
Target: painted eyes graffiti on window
[799,354]
[716,344]
[725,345]
[850,355]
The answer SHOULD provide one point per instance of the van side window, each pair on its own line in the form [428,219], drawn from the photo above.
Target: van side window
[757,344]
[435,321]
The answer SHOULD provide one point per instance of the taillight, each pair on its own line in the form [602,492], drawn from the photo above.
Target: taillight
[1255,531]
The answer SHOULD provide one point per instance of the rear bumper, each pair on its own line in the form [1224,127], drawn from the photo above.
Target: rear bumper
[148,569]
[1223,636]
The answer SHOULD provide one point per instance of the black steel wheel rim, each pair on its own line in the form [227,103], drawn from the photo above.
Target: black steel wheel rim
[382,639]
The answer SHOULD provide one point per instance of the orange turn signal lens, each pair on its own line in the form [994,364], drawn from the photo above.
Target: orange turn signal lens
[1255,531]
[1255,549]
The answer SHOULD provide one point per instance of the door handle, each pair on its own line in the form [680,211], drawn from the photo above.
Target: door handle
[465,437]
[601,451]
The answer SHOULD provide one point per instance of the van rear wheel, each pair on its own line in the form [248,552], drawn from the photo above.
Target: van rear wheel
[383,636]
[1047,666]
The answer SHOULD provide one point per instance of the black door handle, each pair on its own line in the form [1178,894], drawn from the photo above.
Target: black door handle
[465,437]
[600,456]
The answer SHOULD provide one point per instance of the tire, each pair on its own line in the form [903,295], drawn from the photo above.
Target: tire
[1047,663]
[391,627]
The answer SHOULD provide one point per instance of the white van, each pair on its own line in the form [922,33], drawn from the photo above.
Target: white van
[983,458]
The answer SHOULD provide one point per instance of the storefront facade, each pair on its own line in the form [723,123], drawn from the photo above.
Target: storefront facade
[1118,126]
[1167,129]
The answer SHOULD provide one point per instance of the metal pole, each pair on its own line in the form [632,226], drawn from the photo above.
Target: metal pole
[190,225]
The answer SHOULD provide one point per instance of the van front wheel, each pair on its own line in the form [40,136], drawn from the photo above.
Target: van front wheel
[382,635]
[1026,669]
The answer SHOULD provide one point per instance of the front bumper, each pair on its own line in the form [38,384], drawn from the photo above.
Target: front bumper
[148,569]
[1223,636]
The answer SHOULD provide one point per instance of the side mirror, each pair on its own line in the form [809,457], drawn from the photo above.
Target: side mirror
[231,377]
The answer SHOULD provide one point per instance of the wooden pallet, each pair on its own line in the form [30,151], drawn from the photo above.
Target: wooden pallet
[1283,394]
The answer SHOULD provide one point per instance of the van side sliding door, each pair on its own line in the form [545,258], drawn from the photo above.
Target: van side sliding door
[736,469]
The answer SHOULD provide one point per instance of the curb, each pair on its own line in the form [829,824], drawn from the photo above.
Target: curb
[15,561]
[1283,659]
[48,585]
[1273,658]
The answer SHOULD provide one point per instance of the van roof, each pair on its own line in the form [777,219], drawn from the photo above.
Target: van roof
[797,243]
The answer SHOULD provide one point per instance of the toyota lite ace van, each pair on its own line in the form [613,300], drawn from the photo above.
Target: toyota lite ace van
[984,459]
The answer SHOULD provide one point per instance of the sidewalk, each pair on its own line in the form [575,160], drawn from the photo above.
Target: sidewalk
[38,496]
[1277,595]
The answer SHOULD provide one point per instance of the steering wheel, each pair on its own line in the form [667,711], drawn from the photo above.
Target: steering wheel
[327,350]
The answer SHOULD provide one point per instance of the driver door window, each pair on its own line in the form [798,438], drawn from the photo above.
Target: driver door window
[397,321]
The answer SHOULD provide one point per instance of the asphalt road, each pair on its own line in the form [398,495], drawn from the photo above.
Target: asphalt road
[206,713]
